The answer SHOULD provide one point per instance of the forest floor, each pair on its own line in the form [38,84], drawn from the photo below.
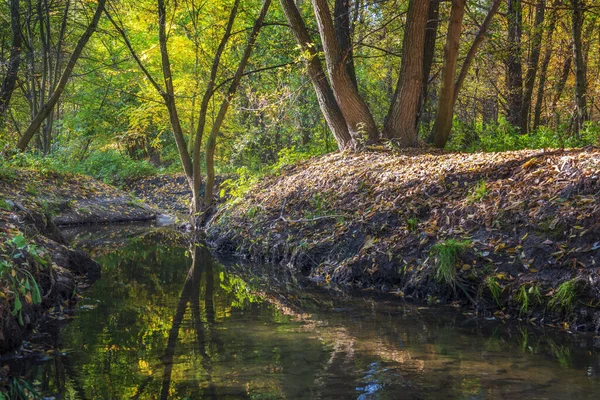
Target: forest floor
[38,271]
[511,235]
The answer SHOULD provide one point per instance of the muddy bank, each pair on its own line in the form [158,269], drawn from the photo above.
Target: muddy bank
[38,270]
[512,235]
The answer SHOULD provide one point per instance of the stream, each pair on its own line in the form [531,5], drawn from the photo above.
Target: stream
[168,321]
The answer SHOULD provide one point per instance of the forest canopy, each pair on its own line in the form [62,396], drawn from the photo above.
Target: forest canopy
[121,88]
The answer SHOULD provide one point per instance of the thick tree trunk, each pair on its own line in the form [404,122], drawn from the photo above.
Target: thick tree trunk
[10,79]
[443,120]
[539,101]
[47,108]
[239,73]
[400,122]
[514,68]
[532,64]
[354,109]
[327,102]
[343,32]
[580,65]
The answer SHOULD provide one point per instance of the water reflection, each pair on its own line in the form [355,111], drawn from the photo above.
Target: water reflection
[169,322]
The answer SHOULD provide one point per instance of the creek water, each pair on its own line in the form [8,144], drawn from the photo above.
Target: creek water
[167,321]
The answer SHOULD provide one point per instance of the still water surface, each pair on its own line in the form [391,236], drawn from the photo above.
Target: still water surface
[167,322]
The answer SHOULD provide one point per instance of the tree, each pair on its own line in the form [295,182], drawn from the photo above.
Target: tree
[580,67]
[10,79]
[400,124]
[514,66]
[48,107]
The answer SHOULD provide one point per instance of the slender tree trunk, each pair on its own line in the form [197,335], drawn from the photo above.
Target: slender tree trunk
[539,101]
[514,68]
[343,33]
[169,95]
[212,139]
[10,79]
[354,109]
[208,94]
[560,87]
[47,108]
[443,120]
[580,65]
[431,34]
[400,122]
[532,64]
[325,97]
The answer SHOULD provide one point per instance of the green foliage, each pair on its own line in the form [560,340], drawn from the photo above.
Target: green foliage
[479,192]
[412,224]
[292,156]
[17,277]
[564,297]
[528,298]
[237,188]
[504,137]
[447,254]
[494,287]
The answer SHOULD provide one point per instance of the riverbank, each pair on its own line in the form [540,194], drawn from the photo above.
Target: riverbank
[512,235]
[38,270]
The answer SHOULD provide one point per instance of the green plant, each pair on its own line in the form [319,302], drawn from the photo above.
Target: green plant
[20,281]
[447,253]
[528,298]
[32,189]
[564,297]
[237,188]
[412,224]
[494,287]
[479,192]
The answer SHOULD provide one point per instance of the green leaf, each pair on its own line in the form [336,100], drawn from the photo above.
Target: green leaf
[19,242]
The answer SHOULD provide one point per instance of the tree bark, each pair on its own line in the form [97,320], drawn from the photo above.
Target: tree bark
[10,79]
[580,65]
[47,108]
[443,120]
[354,109]
[343,33]
[431,34]
[532,64]
[514,67]
[400,122]
[325,97]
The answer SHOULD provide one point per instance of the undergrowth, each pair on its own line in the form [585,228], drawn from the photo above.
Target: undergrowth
[447,254]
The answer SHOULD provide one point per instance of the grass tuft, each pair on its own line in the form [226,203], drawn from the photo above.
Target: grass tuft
[447,253]
[528,298]
[564,297]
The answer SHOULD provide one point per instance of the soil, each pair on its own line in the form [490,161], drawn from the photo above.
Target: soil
[518,233]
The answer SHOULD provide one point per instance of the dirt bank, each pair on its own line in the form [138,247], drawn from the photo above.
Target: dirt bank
[514,235]
[38,271]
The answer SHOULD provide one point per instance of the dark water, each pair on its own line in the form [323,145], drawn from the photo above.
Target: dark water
[167,322]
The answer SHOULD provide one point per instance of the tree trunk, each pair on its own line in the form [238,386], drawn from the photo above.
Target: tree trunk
[47,108]
[354,109]
[537,114]
[325,97]
[10,79]
[343,33]
[212,139]
[560,87]
[514,68]
[400,122]
[532,64]
[580,67]
[431,33]
[443,120]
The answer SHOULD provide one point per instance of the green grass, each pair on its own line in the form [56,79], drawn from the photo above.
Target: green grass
[564,297]
[446,254]
[412,224]
[494,287]
[528,298]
